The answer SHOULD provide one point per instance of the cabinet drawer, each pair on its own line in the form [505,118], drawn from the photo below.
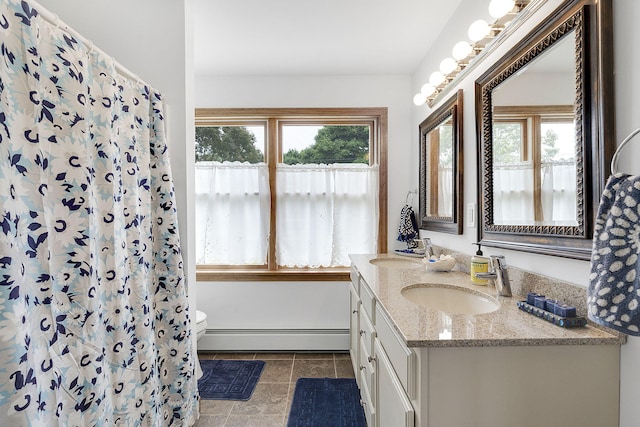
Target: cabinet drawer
[402,359]
[354,327]
[368,302]
[367,331]
[367,403]
[355,278]
[367,373]
[393,408]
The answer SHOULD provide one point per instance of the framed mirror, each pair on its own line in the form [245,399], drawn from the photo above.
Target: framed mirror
[441,168]
[545,134]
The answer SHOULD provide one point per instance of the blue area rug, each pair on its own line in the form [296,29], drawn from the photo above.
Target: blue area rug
[324,402]
[229,379]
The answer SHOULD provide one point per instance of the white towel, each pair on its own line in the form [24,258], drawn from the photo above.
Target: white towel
[613,297]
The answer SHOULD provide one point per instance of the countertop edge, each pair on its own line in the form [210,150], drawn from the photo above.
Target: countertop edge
[511,342]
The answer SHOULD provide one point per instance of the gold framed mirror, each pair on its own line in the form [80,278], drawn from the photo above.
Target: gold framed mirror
[441,168]
[545,134]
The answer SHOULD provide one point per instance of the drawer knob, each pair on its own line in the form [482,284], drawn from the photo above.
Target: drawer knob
[371,359]
[362,367]
[355,311]
[362,332]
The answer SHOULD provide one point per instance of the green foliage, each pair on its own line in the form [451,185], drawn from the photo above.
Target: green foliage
[507,146]
[507,143]
[446,145]
[226,143]
[334,144]
[549,149]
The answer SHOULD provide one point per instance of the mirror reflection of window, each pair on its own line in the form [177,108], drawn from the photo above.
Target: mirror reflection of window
[534,165]
[440,179]
[513,173]
[441,142]
[534,148]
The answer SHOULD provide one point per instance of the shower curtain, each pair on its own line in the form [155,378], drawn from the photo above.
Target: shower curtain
[94,324]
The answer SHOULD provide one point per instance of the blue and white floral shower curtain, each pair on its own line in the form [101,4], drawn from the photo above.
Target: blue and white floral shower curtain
[94,326]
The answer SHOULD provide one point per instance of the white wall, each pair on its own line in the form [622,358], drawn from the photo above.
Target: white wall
[320,306]
[153,39]
[626,66]
[627,93]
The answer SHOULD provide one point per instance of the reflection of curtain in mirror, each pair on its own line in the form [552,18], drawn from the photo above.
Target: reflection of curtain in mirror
[232,213]
[559,192]
[513,194]
[445,191]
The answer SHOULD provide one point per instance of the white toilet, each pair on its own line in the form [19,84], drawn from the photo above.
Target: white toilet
[201,324]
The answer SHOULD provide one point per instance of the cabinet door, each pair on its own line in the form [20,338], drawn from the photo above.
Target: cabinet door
[403,359]
[393,407]
[354,329]
[367,402]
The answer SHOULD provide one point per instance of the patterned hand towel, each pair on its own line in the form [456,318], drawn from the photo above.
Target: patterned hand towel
[613,297]
[408,229]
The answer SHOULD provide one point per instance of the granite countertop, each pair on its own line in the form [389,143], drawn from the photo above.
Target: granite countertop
[426,327]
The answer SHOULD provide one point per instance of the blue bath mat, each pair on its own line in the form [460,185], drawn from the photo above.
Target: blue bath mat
[229,379]
[322,402]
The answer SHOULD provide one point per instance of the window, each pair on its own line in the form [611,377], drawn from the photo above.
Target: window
[534,165]
[288,194]
[440,179]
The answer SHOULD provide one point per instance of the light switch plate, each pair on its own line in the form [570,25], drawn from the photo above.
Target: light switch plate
[471,215]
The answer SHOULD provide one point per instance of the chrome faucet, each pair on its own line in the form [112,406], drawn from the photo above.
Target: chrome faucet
[428,249]
[499,274]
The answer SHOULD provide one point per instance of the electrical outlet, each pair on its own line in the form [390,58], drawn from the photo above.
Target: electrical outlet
[471,215]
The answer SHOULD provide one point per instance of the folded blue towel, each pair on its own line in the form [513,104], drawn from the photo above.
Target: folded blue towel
[613,297]
[408,229]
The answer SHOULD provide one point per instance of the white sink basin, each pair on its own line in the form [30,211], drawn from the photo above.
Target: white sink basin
[397,262]
[450,299]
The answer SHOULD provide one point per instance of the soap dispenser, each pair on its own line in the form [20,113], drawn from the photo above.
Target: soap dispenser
[479,264]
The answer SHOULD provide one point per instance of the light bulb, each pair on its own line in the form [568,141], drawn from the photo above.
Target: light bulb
[427,90]
[478,30]
[436,78]
[419,99]
[499,8]
[448,65]
[461,50]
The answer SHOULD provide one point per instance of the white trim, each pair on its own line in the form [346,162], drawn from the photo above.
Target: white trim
[275,340]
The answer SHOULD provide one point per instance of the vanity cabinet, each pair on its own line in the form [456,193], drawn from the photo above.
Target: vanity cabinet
[377,354]
[361,337]
[442,383]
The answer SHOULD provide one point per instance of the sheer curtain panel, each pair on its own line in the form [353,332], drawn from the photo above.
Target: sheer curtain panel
[232,213]
[513,193]
[324,213]
[559,198]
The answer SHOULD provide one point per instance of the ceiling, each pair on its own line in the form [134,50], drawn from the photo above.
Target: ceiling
[315,37]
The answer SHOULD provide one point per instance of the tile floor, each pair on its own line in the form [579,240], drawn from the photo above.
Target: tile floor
[269,405]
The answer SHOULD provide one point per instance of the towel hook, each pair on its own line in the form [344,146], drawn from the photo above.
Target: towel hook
[614,159]
[410,193]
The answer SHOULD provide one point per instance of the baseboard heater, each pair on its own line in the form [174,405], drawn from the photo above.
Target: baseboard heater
[275,340]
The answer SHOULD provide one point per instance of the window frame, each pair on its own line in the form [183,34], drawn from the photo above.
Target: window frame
[531,118]
[274,119]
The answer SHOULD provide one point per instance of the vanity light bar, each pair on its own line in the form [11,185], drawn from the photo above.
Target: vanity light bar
[464,52]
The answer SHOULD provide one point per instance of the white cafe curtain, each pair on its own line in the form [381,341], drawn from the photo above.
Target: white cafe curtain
[325,212]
